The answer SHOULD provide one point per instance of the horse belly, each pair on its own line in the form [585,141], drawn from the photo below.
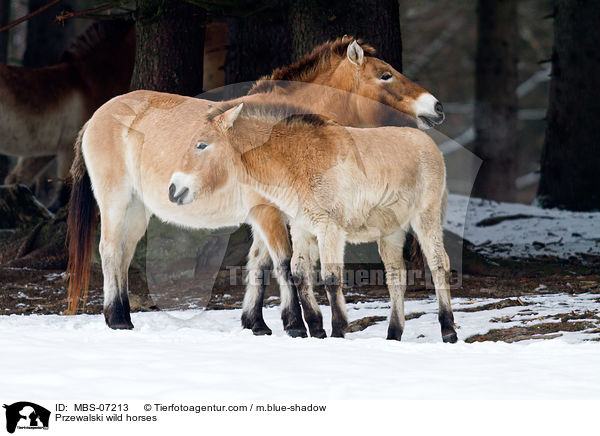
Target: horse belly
[368,221]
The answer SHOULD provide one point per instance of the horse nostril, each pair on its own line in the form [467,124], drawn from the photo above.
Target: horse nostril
[172,190]
[181,197]
[439,109]
[175,197]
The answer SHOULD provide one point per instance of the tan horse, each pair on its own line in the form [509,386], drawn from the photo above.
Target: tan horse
[357,89]
[337,183]
[373,93]
[44,108]
[326,66]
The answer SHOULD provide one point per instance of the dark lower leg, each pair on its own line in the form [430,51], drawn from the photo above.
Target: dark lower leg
[311,311]
[396,327]
[339,320]
[252,316]
[291,313]
[446,319]
[117,313]
[445,316]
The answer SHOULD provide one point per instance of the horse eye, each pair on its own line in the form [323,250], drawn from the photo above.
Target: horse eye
[201,145]
[386,76]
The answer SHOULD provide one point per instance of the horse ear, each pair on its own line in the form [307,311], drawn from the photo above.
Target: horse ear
[355,54]
[227,118]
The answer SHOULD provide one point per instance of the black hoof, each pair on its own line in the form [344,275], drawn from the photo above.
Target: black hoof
[121,326]
[446,319]
[117,317]
[296,333]
[294,326]
[450,338]
[337,334]
[262,331]
[256,324]
[394,333]
[320,334]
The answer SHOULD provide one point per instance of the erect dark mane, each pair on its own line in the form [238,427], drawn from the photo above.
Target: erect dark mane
[273,112]
[95,35]
[311,64]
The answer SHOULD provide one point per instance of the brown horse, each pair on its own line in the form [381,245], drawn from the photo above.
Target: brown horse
[341,80]
[44,108]
[371,81]
[357,89]
[338,184]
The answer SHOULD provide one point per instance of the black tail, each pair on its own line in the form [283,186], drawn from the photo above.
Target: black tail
[81,229]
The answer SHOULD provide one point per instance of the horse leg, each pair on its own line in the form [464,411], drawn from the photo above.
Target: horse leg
[64,160]
[123,223]
[258,265]
[136,223]
[303,265]
[391,252]
[28,170]
[332,241]
[428,228]
[269,224]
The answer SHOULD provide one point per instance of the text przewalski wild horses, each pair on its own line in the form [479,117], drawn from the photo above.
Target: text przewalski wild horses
[328,64]
[340,184]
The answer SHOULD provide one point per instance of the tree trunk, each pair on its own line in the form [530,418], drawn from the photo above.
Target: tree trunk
[570,164]
[4,20]
[257,44]
[4,167]
[377,22]
[46,39]
[169,58]
[496,100]
[169,47]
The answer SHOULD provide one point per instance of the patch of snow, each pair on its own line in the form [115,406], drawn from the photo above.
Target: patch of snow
[551,232]
[208,355]
[54,276]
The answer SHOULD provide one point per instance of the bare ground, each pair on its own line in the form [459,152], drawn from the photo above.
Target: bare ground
[26,291]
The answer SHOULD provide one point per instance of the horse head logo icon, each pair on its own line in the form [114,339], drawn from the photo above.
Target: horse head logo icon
[26,415]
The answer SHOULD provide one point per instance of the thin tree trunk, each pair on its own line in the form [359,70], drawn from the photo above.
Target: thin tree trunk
[258,44]
[496,102]
[169,47]
[4,19]
[377,22]
[570,165]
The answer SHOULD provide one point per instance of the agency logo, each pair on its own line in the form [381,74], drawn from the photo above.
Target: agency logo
[26,415]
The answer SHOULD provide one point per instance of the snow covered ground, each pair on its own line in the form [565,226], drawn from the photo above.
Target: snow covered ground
[547,232]
[206,355]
